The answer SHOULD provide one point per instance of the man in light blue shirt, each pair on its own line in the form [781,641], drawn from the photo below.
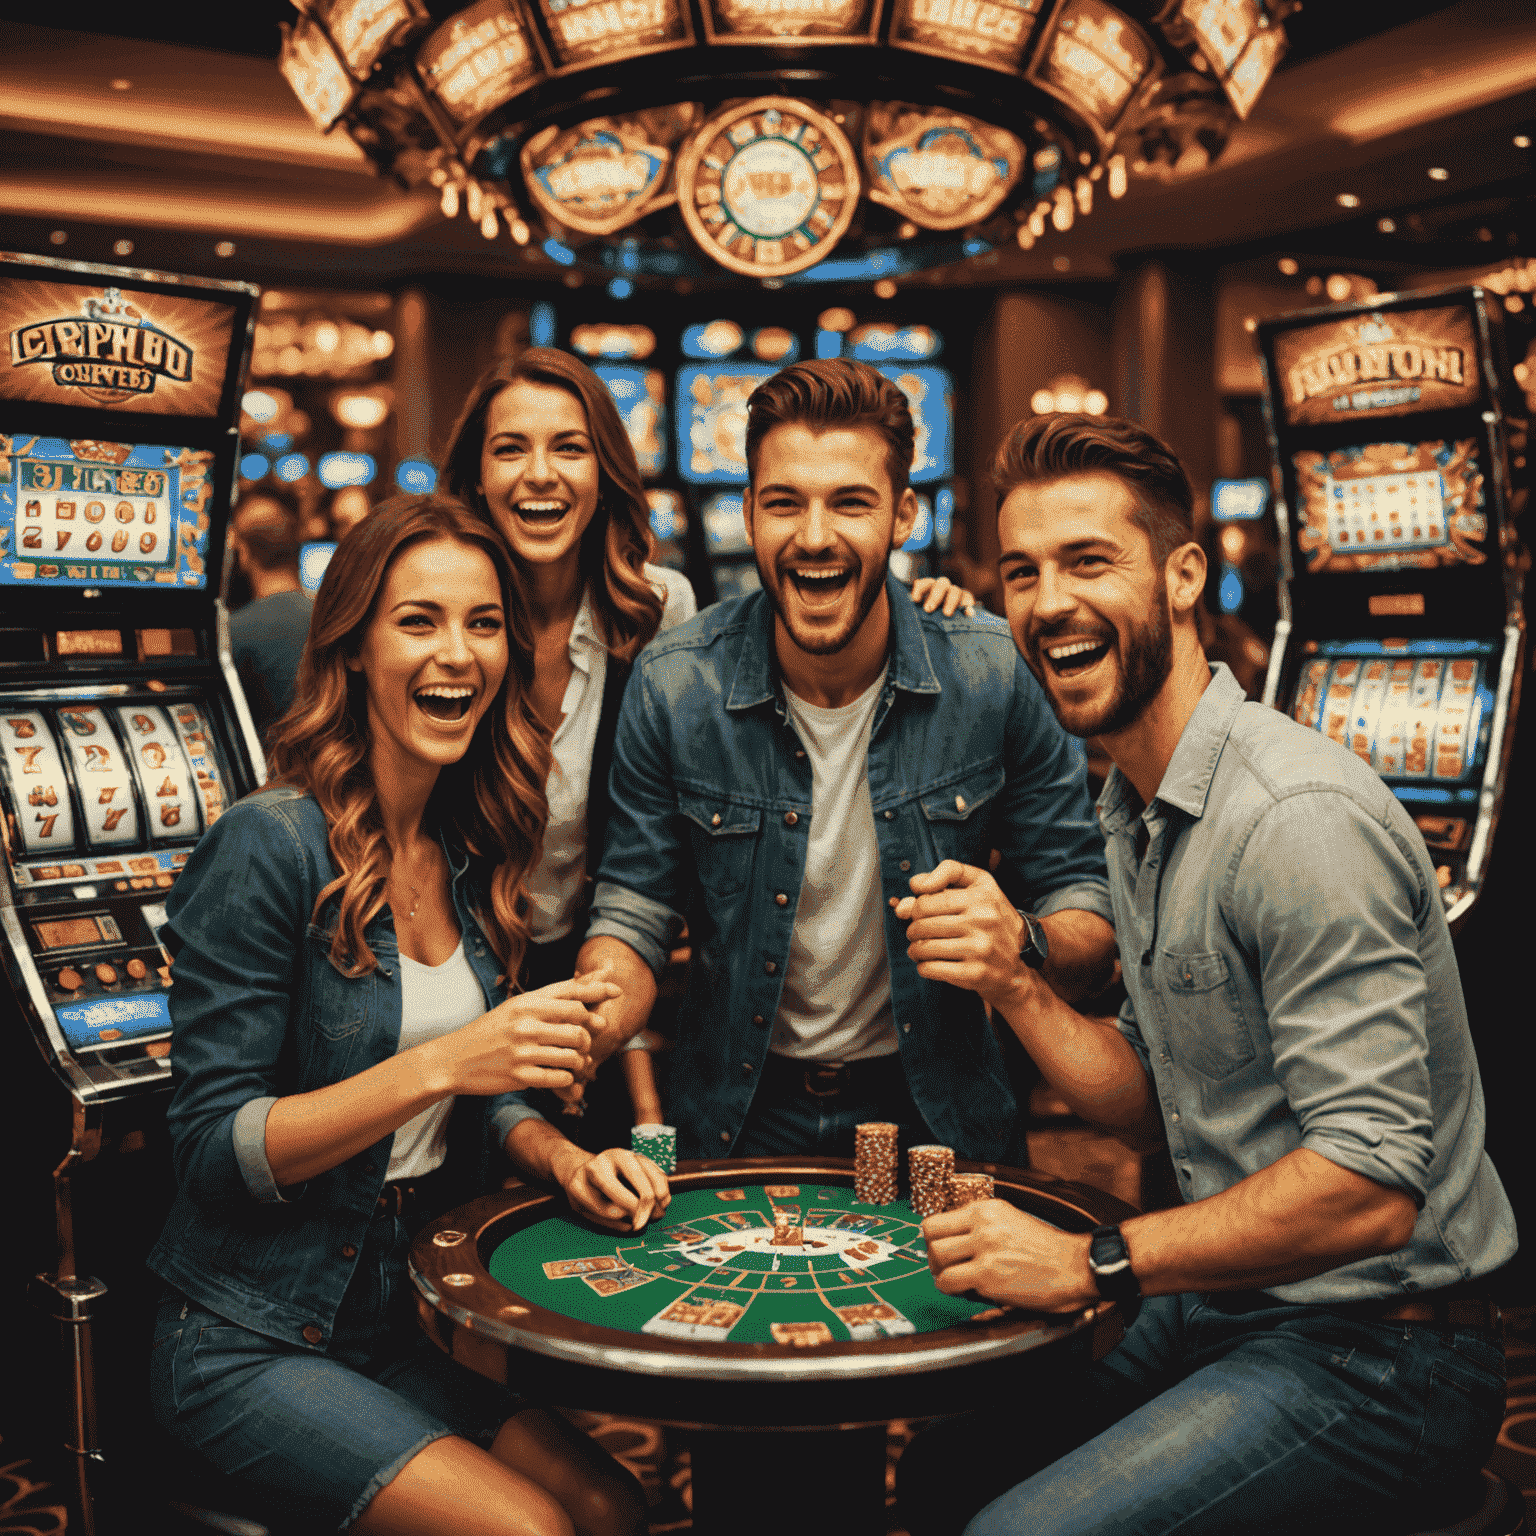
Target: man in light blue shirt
[1312,1339]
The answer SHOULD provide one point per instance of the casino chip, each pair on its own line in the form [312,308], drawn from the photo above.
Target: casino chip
[967,1187]
[930,1168]
[874,1162]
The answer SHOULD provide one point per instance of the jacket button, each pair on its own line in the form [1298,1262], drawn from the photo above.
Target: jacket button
[313,1333]
[906,1028]
[799,751]
[790,818]
[714,820]
[746,1066]
[770,966]
[905,865]
[890,815]
[781,899]
[725,1136]
[757,1018]
[348,1251]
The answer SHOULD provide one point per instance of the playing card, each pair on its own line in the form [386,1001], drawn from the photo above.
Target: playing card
[563,1269]
[622,1278]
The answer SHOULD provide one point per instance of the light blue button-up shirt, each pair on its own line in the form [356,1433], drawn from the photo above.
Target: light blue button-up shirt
[1291,983]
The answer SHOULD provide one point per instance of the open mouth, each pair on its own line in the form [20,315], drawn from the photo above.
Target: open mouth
[443,703]
[549,511]
[820,584]
[1072,658]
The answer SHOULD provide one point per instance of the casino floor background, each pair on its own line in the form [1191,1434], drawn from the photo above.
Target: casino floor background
[31,1506]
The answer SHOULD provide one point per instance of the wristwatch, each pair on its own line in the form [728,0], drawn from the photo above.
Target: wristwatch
[1110,1261]
[1035,944]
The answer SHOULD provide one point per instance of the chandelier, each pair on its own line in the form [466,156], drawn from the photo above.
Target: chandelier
[783,140]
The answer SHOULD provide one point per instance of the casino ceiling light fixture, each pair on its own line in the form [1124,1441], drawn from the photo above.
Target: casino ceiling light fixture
[891,127]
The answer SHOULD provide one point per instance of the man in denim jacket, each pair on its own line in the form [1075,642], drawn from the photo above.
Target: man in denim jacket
[1317,1343]
[785,763]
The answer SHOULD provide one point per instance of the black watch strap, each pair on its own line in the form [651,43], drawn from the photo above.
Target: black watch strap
[1034,943]
[1110,1262]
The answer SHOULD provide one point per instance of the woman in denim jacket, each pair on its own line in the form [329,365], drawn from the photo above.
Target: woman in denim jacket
[344,1070]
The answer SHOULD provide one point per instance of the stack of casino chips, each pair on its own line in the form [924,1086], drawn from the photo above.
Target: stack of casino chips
[874,1162]
[657,1142]
[930,1168]
[967,1187]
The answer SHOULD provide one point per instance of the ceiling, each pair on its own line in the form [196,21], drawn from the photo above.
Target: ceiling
[182,138]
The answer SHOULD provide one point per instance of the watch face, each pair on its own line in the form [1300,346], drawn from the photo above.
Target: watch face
[768,187]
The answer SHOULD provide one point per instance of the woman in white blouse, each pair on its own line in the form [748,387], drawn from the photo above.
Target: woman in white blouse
[541,450]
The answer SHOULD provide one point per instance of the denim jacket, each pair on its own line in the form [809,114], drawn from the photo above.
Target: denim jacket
[259,1011]
[711,811]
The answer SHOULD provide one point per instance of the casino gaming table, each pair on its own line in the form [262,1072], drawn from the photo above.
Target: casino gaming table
[767,1312]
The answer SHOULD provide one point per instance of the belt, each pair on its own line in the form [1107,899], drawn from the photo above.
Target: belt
[420,1198]
[1466,1305]
[826,1079]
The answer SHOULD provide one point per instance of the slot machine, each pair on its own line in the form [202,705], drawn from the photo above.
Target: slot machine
[1401,633]
[123,736]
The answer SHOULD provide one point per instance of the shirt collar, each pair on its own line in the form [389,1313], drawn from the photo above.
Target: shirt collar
[1187,779]
[909,666]
[584,635]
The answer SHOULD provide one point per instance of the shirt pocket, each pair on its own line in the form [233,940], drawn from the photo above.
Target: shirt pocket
[959,815]
[339,1005]
[1206,1019]
[724,834]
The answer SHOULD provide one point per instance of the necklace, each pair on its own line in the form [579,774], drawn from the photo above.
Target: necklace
[415,897]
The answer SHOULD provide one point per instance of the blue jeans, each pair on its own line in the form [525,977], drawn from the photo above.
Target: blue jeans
[1203,1423]
[786,1121]
[310,1434]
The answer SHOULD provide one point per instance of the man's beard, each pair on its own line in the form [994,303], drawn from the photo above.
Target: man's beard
[1145,666]
[826,643]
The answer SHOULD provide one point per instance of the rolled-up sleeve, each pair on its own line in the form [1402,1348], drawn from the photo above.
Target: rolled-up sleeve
[646,868]
[236,922]
[1053,850]
[1328,899]
[505,1113]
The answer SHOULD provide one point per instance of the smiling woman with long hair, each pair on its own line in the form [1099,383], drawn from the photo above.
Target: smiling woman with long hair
[348,1064]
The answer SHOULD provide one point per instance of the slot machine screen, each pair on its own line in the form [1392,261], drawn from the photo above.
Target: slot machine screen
[712,420]
[1390,506]
[930,399]
[83,512]
[641,396]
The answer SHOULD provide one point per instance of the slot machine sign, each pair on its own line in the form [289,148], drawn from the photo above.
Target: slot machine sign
[95,346]
[1377,365]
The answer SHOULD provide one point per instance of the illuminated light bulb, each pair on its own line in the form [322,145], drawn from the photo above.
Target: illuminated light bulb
[1290,266]
[472,199]
[1063,213]
[1232,542]
[1513,303]
[1439,173]
[907,230]
[1250,324]
[1026,238]
[1084,190]
[1338,288]
[1037,223]
[1347,200]
[885,289]
[1387,226]
[520,231]
[1117,176]
[488,224]
[383,343]
[450,201]
[1042,401]
[1095,402]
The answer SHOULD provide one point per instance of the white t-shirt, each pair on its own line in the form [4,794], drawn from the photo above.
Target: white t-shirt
[434,1000]
[836,1002]
[554,885]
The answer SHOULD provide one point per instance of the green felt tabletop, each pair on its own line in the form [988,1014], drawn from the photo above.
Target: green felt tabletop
[713,1268]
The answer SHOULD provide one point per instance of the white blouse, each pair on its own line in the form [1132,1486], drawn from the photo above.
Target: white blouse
[554,886]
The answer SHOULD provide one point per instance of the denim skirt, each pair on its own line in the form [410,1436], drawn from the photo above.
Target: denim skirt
[314,1435]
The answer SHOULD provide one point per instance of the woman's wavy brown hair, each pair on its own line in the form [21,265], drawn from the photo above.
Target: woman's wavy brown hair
[618,540]
[490,803]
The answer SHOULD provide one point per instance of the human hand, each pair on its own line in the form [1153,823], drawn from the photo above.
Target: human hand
[616,1189]
[963,930]
[930,591]
[537,1039]
[1008,1256]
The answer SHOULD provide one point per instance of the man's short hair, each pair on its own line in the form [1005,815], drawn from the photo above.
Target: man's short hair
[834,392]
[267,523]
[1063,443]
